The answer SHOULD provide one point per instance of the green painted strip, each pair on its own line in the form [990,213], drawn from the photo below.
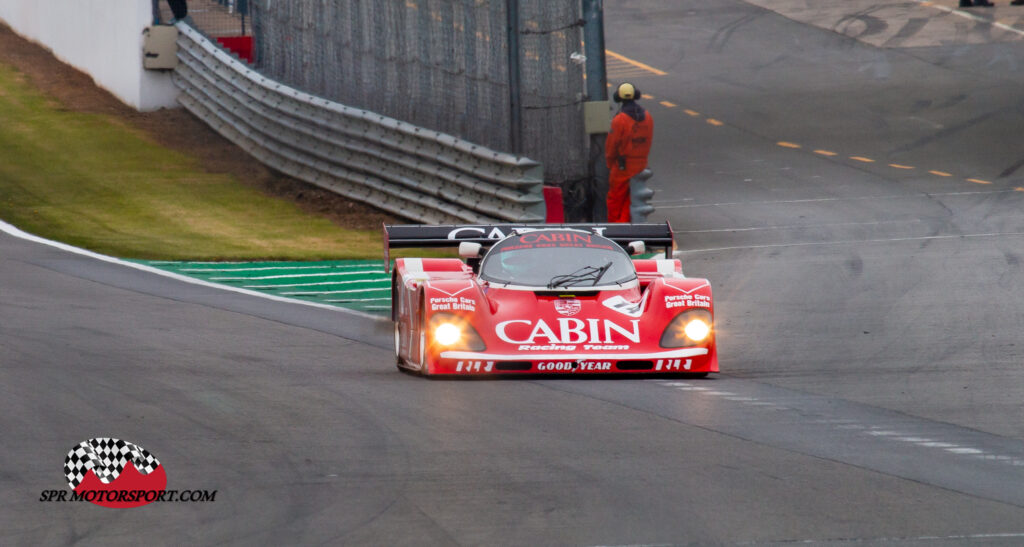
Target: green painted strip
[353,284]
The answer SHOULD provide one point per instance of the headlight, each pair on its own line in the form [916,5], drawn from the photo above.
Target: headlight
[697,330]
[447,334]
[452,332]
[689,328]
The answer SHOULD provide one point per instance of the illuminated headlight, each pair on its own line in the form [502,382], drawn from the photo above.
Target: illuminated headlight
[697,330]
[689,328]
[451,331]
[447,334]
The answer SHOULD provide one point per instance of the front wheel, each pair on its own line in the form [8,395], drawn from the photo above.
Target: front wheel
[398,346]
[424,365]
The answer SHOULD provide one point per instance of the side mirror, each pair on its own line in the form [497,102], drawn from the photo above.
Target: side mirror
[468,250]
[637,248]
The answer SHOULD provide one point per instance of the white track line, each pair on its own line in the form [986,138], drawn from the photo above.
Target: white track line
[974,17]
[312,293]
[243,278]
[847,242]
[13,231]
[315,284]
[264,268]
[893,539]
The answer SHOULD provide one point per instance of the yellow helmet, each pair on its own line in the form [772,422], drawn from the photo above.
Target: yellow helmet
[626,92]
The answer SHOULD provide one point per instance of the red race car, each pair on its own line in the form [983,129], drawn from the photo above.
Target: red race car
[548,299]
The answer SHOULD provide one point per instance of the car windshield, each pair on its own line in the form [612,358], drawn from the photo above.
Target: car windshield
[557,259]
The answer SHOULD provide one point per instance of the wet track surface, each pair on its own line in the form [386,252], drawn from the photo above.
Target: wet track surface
[869,324]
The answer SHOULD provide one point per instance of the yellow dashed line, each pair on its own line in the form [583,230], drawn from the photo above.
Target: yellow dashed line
[821,152]
[1018,189]
[616,66]
[637,64]
[626,75]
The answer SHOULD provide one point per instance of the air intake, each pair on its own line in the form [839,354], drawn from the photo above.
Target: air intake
[510,366]
[635,365]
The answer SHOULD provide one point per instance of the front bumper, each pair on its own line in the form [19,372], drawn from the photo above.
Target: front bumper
[683,360]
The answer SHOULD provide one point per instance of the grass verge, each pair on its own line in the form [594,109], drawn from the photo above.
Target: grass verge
[92,181]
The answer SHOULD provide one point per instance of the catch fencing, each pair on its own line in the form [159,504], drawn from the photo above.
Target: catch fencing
[443,65]
[215,18]
[424,175]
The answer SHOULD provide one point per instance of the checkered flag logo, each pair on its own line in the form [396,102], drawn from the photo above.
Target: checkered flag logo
[106,458]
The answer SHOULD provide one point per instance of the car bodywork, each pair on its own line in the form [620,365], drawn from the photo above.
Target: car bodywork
[577,304]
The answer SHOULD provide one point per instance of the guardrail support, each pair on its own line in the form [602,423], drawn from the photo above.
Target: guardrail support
[412,172]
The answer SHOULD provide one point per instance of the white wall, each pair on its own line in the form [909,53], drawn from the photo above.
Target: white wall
[102,38]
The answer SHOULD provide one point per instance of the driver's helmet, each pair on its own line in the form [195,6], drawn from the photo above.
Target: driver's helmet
[514,261]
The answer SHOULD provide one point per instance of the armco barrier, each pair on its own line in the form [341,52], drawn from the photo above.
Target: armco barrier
[412,172]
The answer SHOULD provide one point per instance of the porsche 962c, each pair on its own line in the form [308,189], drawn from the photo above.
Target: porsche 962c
[549,299]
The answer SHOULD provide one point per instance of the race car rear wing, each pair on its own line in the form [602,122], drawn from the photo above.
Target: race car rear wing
[422,235]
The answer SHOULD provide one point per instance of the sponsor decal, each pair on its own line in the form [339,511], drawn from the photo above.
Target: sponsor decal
[687,299]
[548,347]
[476,232]
[568,306]
[673,364]
[568,331]
[625,307]
[556,237]
[474,366]
[118,474]
[574,366]
[452,303]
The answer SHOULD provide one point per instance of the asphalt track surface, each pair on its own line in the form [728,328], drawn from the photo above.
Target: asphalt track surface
[869,326]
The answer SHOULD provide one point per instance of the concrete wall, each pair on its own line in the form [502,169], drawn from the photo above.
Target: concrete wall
[102,38]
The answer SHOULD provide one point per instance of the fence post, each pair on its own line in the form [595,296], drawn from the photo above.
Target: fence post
[515,98]
[597,90]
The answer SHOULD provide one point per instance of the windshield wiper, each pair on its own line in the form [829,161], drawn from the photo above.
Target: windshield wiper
[586,273]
